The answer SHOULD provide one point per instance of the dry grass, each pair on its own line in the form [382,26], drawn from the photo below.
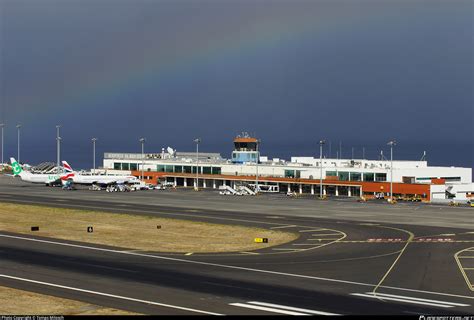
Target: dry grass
[134,231]
[15,301]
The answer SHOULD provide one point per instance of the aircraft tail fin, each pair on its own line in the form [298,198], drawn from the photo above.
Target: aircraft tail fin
[17,169]
[67,167]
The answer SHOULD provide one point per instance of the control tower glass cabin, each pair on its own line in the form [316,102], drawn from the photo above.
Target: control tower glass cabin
[245,150]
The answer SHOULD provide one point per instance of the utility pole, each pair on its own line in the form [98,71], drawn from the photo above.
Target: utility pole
[256,175]
[197,140]
[93,153]
[2,125]
[391,144]
[58,147]
[142,140]
[18,126]
[321,143]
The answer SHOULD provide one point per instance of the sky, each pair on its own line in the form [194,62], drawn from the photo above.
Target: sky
[355,72]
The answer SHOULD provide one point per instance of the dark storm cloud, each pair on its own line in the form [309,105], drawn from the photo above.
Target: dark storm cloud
[290,72]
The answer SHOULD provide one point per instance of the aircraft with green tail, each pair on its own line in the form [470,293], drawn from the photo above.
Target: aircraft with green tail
[47,179]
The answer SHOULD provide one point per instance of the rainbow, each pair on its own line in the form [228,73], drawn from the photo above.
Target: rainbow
[262,35]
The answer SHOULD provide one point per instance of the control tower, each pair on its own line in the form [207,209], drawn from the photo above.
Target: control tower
[245,149]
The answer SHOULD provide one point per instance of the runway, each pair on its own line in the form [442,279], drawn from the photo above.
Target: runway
[355,263]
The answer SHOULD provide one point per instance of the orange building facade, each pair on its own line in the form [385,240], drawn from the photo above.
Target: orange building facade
[331,187]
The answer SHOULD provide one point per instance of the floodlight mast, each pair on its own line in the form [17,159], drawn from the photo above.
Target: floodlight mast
[197,141]
[321,143]
[391,144]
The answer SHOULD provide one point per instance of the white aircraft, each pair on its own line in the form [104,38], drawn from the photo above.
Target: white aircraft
[48,179]
[97,179]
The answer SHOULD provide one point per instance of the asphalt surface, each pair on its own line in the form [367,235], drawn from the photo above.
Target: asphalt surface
[350,258]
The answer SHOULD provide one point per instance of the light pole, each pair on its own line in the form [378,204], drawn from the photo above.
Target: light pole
[58,146]
[197,140]
[93,153]
[321,143]
[142,140]
[18,126]
[391,144]
[2,125]
[256,174]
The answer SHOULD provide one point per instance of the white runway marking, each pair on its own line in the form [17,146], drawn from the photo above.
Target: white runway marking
[108,295]
[428,302]
[110,268]
[322,313]
[249,306]
[233,267]
[313,230]
[282,227]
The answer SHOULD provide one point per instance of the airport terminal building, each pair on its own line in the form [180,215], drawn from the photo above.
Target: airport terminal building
[301,175]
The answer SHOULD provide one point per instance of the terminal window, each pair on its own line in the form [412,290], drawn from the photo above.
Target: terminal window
[369,176]
[289,173]
[452,179]
[355,176]
[343,176]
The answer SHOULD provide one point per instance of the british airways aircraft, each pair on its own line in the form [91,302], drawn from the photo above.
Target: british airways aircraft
[97,179]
